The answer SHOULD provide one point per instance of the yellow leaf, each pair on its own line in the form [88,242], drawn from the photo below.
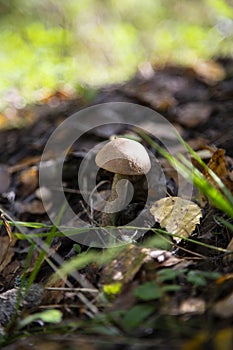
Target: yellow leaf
[113,288]
[178,216]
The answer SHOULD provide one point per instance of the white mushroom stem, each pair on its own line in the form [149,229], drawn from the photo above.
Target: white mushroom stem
[118,193]
[121,194]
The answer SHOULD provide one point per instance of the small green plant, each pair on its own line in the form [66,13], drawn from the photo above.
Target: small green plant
[201,278]
[136,316]
[148,291]
[47,316]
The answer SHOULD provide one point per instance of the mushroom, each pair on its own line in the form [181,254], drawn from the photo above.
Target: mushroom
[129,160]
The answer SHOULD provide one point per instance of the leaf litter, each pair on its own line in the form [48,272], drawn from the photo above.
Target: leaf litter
[153,286]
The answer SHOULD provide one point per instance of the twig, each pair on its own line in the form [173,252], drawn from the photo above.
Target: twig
[67,289]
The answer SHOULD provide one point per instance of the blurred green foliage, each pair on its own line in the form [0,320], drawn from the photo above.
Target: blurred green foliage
[46,44]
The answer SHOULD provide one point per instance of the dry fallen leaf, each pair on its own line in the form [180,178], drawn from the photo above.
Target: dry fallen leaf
[24,163]
[7,226]
[218,165]
[211,72]
[125,266]
[178,216]
[224,308]
[134,259]
[192,306]
[54,296]
[193,113]
[34,207]
[6,251]
[28,180]
[160,101]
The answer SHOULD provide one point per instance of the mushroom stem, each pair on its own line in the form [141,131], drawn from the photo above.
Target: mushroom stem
[109,214]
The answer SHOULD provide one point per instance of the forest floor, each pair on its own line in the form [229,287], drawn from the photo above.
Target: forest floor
[152,291]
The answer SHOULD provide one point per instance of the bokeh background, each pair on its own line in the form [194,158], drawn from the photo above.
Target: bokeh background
[49,44]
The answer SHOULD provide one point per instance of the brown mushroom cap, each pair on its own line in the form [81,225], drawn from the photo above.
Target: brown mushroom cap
[124,156]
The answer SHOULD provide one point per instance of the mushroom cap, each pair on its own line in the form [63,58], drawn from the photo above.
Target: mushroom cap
[124,156]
